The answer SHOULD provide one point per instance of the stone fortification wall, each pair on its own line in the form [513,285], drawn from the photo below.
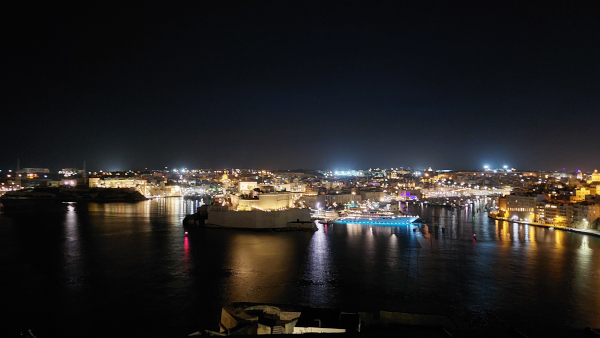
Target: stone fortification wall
[256,219]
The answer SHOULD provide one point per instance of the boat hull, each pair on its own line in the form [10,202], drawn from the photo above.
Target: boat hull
[378,221]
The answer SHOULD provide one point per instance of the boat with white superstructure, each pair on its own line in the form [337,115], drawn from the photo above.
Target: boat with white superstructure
[376,217]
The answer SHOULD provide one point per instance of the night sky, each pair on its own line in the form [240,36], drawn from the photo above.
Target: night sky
[299,84]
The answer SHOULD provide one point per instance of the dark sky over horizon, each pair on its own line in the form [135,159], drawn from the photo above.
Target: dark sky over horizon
[280,84]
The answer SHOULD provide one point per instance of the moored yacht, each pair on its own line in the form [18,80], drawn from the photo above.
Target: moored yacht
[376,217]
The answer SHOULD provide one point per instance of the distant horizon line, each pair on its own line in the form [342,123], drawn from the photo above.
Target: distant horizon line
[491,170]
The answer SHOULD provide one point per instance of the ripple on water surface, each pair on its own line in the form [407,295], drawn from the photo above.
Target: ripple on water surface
[121,264]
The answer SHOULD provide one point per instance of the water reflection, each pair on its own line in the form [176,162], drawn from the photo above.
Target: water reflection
[319,274]
[261,265]
[135,259]
[186,255]
[72,248]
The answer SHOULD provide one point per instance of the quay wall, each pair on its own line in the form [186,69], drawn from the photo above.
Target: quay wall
[257,219]
[592,232]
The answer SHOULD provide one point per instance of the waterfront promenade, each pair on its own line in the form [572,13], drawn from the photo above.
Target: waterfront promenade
[592,232]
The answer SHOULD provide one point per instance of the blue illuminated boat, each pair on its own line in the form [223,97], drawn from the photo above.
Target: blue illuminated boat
[375,217]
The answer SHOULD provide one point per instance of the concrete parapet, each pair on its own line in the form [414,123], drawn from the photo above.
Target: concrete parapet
[591,232]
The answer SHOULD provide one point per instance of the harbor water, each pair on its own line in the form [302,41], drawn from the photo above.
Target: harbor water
[128,269]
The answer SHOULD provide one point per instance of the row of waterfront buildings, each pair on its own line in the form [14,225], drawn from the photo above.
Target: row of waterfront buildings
[553,197]
[575,203]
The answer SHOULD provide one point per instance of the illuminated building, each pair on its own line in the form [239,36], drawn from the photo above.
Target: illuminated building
[140,185]
[245,187]
[558,213]
[582,192]
[582,215]
[522,207]
[263,201]
[316,201]
[293,187]
[162,190]
[585,215]
[332,185]
[372,195]
[596,176]
[116,182]
[70,171]
[68,182]
[34,171]
[341,199]
[223,216]
[351,173]
[502,206]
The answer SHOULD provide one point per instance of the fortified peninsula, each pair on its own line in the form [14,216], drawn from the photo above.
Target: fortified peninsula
[45,195]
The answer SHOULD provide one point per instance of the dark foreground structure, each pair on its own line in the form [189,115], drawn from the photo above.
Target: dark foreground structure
[248,319]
